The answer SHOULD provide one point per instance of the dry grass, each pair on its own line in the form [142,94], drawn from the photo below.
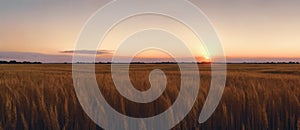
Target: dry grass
[256,97]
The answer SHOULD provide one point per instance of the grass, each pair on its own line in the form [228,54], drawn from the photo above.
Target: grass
[256,97]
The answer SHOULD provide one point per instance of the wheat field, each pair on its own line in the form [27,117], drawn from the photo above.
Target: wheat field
[256,97]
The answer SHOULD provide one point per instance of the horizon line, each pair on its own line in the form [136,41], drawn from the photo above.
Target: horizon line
[100,52]
[163,62]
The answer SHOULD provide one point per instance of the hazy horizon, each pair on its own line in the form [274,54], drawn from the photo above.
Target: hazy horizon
[63,57]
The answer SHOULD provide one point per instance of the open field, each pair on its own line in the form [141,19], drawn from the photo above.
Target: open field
[256,97]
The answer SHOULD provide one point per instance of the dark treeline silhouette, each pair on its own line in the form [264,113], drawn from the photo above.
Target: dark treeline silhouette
[290,62]
[146,63]
[167,62]
[16,62]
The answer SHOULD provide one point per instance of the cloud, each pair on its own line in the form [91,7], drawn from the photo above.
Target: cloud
[89,52]
[52,58]
[65,57]
[32,57]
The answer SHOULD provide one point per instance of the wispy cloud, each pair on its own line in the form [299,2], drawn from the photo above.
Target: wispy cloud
[30,56]
[89,52]
[48,58]
[103,56]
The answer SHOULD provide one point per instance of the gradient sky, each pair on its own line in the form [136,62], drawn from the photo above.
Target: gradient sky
[247,28]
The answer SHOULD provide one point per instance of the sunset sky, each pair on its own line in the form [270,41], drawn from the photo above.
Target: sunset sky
[249,29]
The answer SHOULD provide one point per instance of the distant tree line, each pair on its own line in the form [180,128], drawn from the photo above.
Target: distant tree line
[290,62]
[16,62]
[28,62]
[151,62]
